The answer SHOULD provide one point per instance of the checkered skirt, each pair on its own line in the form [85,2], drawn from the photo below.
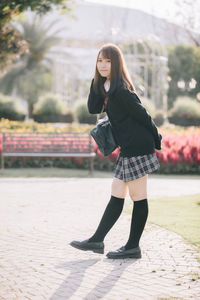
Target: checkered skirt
[131,168]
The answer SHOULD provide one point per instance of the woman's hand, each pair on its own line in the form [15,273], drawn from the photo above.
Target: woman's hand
[158,143]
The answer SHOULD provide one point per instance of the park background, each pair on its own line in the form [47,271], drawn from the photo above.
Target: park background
[47,59]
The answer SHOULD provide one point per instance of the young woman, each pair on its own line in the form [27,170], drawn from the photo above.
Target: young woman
[137,137]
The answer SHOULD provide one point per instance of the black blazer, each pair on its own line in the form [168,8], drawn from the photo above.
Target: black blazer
[132,126]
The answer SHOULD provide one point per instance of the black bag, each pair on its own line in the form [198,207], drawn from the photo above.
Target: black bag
[103,136]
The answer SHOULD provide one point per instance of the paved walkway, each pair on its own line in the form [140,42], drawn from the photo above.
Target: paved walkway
[39,217]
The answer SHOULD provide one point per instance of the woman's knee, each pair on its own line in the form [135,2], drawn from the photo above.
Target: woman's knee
[119,188]
[138,196]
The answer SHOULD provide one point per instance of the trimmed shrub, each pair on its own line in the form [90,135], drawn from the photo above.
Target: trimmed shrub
[54,118]
[159,118]
[50,108]
[185,112]
[83,114]
[9,109]
[149,106]
[49,104]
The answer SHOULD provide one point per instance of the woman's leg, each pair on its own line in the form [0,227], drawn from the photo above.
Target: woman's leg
[112,211]
[138,188]
[110,216]
[119,188]
[138,194]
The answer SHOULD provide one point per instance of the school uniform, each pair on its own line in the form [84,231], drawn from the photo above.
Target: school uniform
[133,129]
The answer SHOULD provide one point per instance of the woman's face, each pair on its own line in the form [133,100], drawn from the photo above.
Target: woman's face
[104,66]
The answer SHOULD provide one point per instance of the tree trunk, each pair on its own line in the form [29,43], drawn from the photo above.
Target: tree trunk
[30,110]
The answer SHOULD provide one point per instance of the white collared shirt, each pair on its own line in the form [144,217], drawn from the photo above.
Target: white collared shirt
[107,85]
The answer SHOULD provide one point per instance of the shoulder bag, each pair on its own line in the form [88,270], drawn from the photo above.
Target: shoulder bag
[103,136]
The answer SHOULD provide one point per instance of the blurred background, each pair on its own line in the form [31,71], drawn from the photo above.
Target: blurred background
[48,53]
[47,61]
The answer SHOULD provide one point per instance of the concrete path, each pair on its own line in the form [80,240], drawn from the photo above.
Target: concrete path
[39,217]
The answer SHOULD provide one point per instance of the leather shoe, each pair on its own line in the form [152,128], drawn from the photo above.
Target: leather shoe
[123,253]
[97,247]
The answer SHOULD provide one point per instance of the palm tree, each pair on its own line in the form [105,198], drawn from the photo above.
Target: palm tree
[30,75]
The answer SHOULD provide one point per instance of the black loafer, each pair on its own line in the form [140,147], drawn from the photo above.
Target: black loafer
[97,247]
[123,253]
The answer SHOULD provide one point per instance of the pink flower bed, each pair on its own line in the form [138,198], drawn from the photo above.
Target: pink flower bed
[65,142]
[180,149]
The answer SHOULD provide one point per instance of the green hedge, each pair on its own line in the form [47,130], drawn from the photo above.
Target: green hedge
[99,164]
[36,162]
[50,108]
[159,118]
[82,114]
[9,109]
[185,112]
[54,118]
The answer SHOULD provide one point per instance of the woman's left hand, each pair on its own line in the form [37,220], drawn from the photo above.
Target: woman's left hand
[158,143]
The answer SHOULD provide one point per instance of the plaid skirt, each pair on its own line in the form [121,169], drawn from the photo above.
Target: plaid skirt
[131,168]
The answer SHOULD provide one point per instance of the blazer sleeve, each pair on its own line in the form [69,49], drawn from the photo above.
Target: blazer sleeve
[134,108]
[95,101]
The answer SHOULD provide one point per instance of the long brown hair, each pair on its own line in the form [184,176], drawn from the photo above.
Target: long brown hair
[119,75]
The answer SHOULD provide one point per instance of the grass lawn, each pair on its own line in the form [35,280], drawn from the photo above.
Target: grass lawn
[52,172]
[178,214]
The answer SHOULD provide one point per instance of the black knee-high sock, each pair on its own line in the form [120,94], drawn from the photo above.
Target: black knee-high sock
[138,221]
[110,216]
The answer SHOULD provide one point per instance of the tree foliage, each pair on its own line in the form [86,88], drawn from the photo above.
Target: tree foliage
[12,44]
[30,75]
[184,68]
[188,14]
